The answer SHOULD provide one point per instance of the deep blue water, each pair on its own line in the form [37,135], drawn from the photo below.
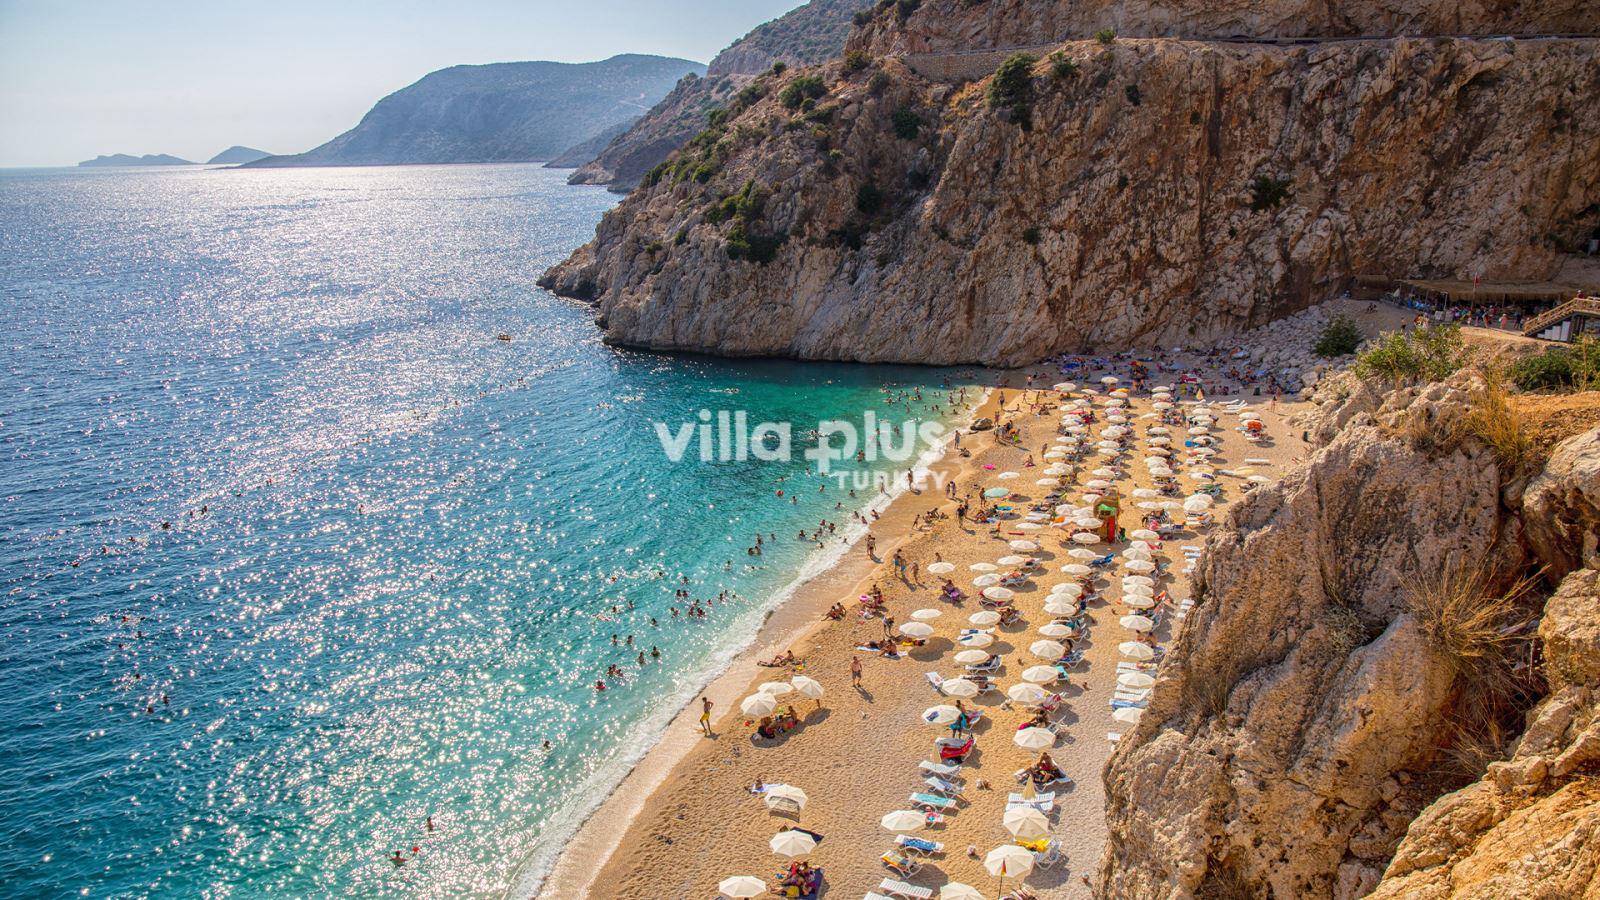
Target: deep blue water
[294,552]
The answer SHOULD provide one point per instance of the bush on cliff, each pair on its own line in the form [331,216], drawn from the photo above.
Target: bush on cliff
[907,124]
[1340,337]
[869,199]
[1423,354]
[1267,192]
[1560,368]
[1012,88]
[801,89]
[760,249]
[1061,67]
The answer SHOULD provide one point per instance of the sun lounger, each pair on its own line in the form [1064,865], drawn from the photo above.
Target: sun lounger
[1042,802]
[1049,856]
[943,770]
[905,891]
[988,665]
[1113,736]
[917,845]
[1131,696]
[1128,704]
[930,801]
[940,786]
[954,748]
[900,863]
[935,681]
[874,895]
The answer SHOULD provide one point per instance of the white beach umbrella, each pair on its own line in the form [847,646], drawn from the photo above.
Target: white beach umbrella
[1067,589]
[1098,484]
[1136,553]
[917,630]
[1009,861]
[1029,526]
[979,640]
[986,617]
[1026,823]
[1076,569]
[809,688]
[904,821]
[1109,380]
[926,615]
[1012,560]
[1047,649]
[983,581]
[1139,565]
[1140,543]
[972,657]
[1136,650]
[1006,476]
[941,568]
[1258,479]
[1086,537]
[998,593]
[1086,521]
[758,704]
[1144,534]
[1145,493]
[983,567]
[1081,553]
[792,843]
[1199,429]
[1128,714]
[1104,473]
[996,493]
[1137,623]
[1066,387]
[782,794]
[1056,454]
[1058,469]
[740,887]
[1137,601]
[1040,674]
[1148,504]
[776,688]
[955,890]
[1060,606]
[943,714]
[1090,498]
[1024,546]
[958,687]
[1054,631]
[1197,503]
[1135,680]
[1160,441]
[1116,401]
[1034,738]
[1160,429]
[1026,693]
[1048,482]
[1138,579]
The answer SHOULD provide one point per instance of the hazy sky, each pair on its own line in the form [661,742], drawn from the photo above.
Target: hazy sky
[83,77]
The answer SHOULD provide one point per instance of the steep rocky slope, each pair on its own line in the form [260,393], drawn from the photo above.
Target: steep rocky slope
[1165,191]
[504,112]
[1363,640]
[804,36]
[942,26]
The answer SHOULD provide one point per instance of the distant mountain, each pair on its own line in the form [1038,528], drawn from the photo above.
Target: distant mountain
[237,155]
[503,112]
[123,159]
[810,34]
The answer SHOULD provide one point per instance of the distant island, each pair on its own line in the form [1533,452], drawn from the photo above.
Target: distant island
[123,159]
[237,156]
[502,112]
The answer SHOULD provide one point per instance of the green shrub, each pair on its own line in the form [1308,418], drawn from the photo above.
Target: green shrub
[801,89]
[1012,88]
[1061,67]
[1423,354]
[1132,93]
[1268,193]
[1122,181]
[760,249]
[904,8]
[778,68]
[855,61]
[907,124]
[1030,235]
[1560,368]
[681,237]
[1340,337]
[862,17]
[750,94]
[869,200]
[878,82]
[1106,35]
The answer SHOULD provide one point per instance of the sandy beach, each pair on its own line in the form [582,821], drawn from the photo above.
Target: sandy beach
[685,817]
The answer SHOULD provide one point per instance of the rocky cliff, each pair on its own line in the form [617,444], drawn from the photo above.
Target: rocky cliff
[1149,191]
[1365,639]
[804,36]
[943,26]
[504,112]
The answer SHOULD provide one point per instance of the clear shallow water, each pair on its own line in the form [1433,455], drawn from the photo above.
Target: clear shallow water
[400,581]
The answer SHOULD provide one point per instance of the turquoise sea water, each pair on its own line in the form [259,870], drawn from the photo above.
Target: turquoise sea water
[294,552]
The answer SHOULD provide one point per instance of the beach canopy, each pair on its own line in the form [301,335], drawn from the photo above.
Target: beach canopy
[982,567]
[904,821]
[1048,482]
[917,629]
[1141,590]
[1026,693]
[925,615]
[807,687]
[942,714]
[998,593]
[987,580]
[1144,534]
[955,890]
[1076,569]
[1136,553]
[1135,680]
[1012,560]
[987,617]
[1009,861]
[1026,823]
[741,886]
[978,639]
[1080,553]
[1139,565]
[776,688]
[1086,537]
[1054,631]
[1197,503]
[1128,714]
[941,568]
[1060,606]
[959,687]
[1137,623]
[1138,601]
[1136,650]
[1024,546]
[792,843]
[784,794]
[1034,738]
[972,657]
[1047,649]
[758,704]
[1040,674]
[1137,579]
[1029,526]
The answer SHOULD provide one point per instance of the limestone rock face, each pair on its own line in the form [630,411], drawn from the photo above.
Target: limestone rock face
[622,162]
[1531,827]
[1563,506]
[1167,192]
[942,26]
[1294,728]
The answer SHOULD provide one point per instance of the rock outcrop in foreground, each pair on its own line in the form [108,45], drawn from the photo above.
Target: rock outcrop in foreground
[1364,641]
[1163,191]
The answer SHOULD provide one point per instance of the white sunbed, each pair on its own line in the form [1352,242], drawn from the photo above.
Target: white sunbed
[907,891]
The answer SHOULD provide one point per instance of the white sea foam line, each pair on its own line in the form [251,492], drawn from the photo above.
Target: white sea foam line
[647,732]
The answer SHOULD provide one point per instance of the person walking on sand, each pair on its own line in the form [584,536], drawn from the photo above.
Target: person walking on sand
[855,671]
[872,547]
[705,715]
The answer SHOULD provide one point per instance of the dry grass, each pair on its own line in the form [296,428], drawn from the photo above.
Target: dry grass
[1471,622]
[1500,424]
